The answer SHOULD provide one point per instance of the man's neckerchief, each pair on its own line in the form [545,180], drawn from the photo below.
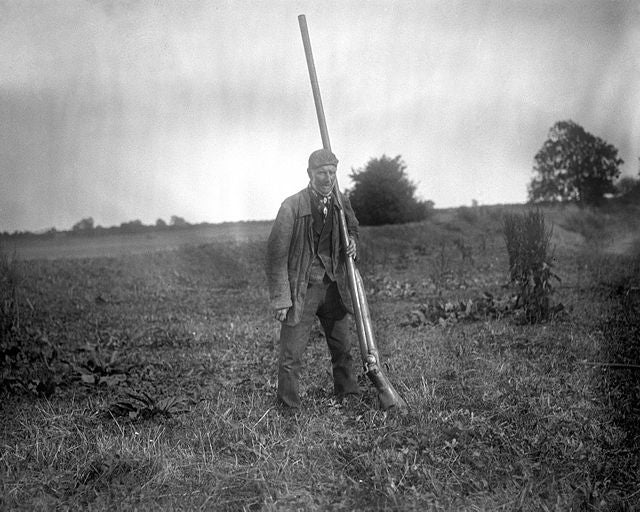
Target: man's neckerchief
[321,202]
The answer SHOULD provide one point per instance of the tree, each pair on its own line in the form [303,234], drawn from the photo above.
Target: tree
[574,165]
[132,226]
[177,221]
[83,225]
[383,194]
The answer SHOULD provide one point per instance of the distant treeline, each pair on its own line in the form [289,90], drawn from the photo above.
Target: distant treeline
[86,227]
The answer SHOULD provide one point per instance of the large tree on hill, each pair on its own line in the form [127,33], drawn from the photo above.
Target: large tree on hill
[574,165]
[383,194]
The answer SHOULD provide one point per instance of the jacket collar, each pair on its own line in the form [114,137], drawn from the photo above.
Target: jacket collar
[304,203]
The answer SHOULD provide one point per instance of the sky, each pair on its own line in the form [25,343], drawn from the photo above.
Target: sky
[126,110]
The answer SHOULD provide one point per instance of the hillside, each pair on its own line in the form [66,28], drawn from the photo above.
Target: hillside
[616,227]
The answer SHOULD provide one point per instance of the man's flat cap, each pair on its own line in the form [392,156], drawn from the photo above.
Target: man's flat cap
[322,157]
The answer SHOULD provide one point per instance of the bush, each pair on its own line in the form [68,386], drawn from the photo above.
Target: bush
[629,190]
[86,225]
[530,262]
[384,194]
[627,185]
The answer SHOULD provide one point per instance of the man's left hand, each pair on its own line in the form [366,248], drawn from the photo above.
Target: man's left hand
[352,250]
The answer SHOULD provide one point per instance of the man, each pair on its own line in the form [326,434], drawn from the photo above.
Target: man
[307,277]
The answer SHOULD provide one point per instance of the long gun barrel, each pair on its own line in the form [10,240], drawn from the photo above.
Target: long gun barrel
[387,395]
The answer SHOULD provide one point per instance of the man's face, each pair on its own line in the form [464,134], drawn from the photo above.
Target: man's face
[323,178]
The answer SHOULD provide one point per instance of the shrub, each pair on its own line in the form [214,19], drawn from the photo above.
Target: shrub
[83,226]
[627,185]
[530,262]
[383,194]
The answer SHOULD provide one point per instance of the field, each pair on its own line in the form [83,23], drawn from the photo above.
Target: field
[139,374]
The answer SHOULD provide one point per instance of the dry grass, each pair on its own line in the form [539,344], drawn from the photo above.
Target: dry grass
[503,416]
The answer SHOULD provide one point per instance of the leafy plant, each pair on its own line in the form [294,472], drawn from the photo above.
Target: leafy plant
[388,287]
[530,263]
[145,406]
[102,368]
[443,313]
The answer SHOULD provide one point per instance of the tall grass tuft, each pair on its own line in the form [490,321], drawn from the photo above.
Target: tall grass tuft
[9,309]
[10,343]
[528,242]
[26,355]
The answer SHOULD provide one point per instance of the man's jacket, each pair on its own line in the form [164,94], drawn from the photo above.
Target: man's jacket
[290,254]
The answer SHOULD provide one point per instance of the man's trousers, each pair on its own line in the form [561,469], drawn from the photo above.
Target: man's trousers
[322,300]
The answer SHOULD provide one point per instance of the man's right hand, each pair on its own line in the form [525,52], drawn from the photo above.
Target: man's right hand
[281,314]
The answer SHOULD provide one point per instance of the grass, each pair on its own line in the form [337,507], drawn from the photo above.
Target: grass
[503,416]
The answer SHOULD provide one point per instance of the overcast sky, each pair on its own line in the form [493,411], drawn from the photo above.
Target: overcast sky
[123,110]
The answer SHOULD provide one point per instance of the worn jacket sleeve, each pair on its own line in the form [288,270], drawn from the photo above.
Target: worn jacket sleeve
[277,258]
